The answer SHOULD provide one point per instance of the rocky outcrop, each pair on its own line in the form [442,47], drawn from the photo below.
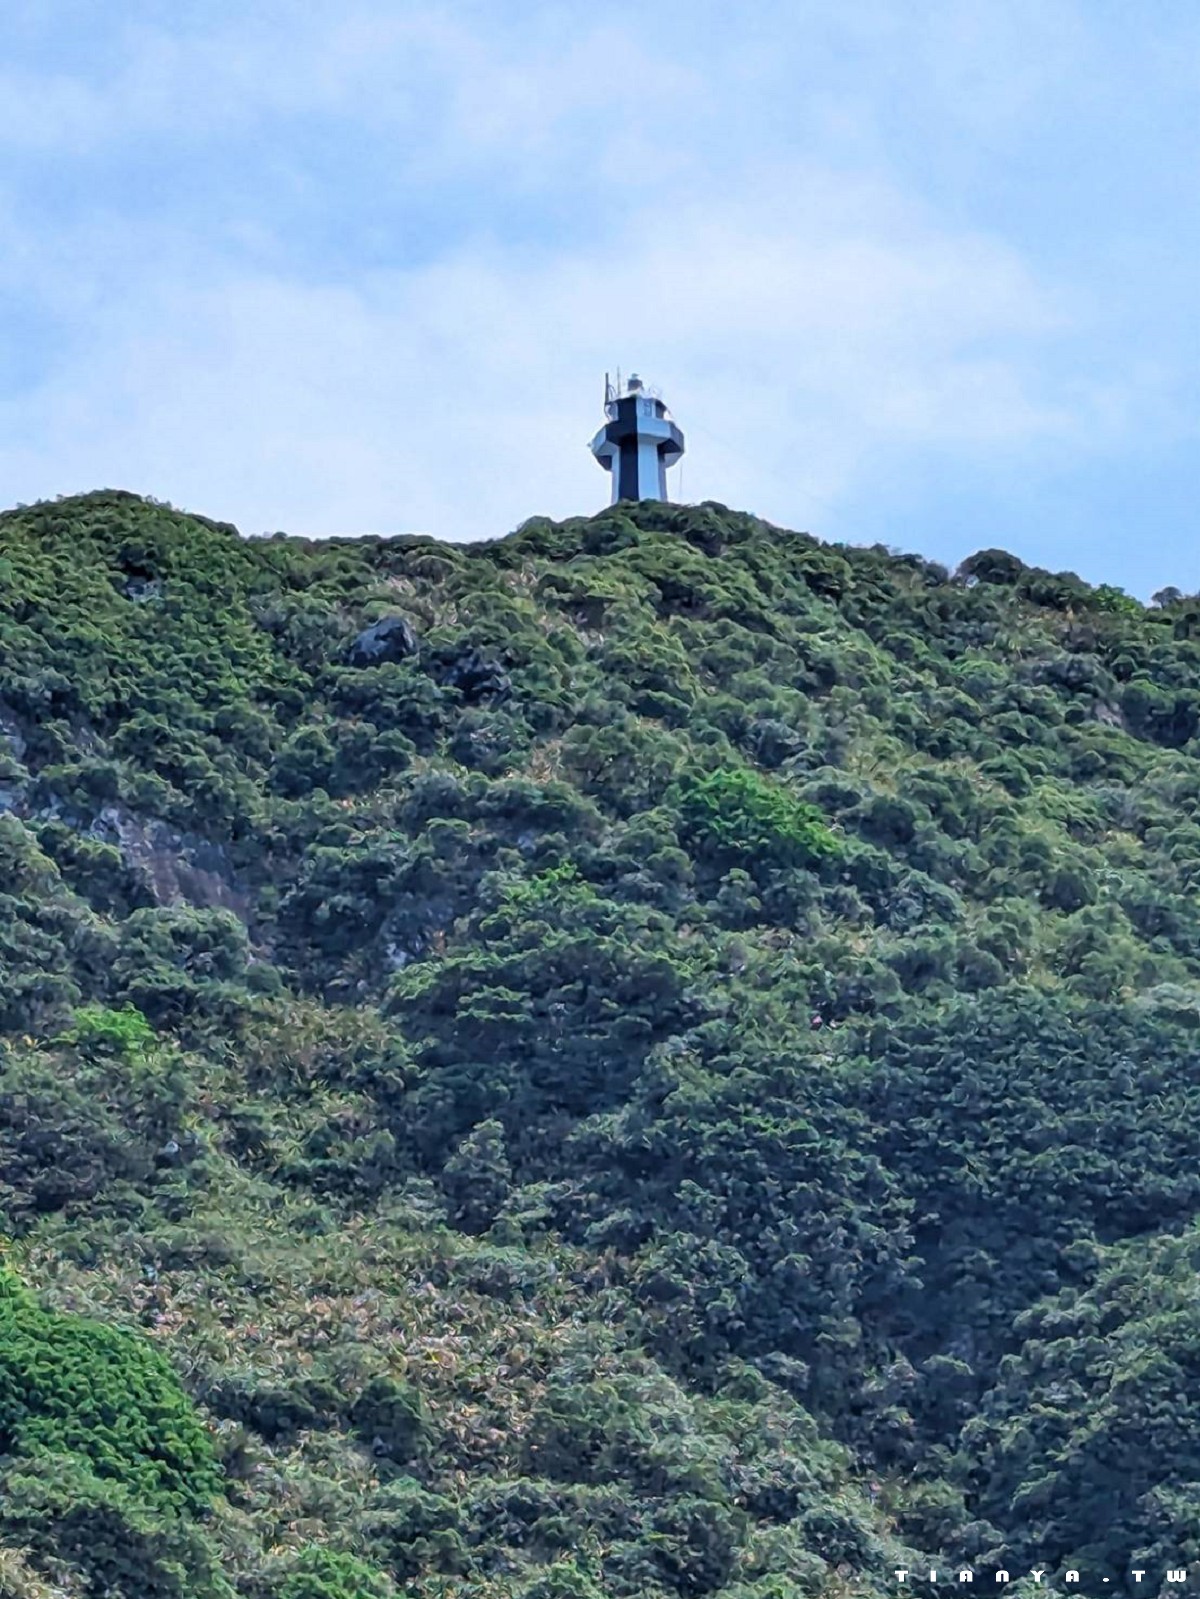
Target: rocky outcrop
[178,868]
[476,677]
[390,639]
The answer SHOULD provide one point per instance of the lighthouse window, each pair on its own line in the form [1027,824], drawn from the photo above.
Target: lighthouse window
[647,407]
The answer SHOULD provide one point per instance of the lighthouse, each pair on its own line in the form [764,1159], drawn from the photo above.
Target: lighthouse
[638,442]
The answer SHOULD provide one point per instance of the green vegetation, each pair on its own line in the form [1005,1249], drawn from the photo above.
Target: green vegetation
[322,1574]
[734,810]
[72,1387]
[106,1454]
[665,1068]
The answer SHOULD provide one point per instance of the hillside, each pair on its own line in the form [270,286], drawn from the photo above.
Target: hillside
[648,1057]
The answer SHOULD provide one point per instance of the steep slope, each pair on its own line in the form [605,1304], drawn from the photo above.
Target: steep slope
[650,1056]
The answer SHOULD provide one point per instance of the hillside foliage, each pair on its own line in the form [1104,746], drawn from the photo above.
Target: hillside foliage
[651,1056]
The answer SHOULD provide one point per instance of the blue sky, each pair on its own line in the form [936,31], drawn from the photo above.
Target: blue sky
[919,274]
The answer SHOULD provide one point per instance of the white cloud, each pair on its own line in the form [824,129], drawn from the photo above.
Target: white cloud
[451,95]
[802,314]
[795,323]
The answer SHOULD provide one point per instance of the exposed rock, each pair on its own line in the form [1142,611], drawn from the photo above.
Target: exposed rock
[390,639]
[10,733]
[397,956]
[476,677]
[87,739]
[179,869]
[140,589]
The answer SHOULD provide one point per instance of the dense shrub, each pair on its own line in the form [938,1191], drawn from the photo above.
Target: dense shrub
[321,1573]
[740,816]
[69,1386]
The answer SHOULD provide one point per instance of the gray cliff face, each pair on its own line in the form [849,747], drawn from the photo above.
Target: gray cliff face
[179,869]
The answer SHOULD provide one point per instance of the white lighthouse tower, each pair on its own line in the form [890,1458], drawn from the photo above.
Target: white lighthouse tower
[638,442]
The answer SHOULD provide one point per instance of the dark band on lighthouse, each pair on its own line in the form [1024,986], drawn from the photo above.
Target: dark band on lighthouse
[638,443]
